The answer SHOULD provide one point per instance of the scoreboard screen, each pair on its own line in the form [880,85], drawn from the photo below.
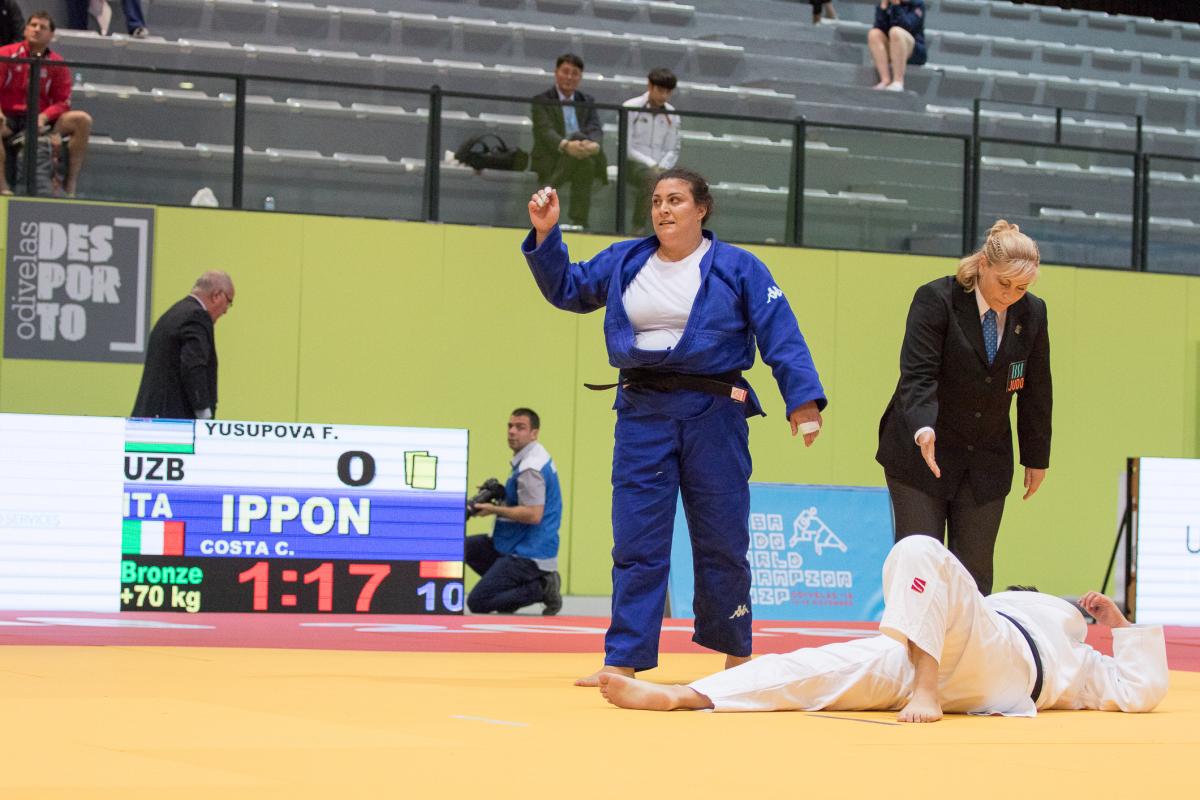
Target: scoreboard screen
[101,514]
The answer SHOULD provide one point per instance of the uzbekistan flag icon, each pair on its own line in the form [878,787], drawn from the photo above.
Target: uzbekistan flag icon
[143,537]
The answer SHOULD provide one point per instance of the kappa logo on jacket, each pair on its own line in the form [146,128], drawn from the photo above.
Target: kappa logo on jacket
[741,612]
[918,586]
[774,293]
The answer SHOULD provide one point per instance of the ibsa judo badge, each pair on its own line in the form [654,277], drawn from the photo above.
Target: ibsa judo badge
[1016,376]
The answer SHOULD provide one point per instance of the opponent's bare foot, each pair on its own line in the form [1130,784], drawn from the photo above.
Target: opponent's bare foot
[921,708]
[594,678]
[632,693]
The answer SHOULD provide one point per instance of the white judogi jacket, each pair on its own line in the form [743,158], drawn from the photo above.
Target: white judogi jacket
[984,663]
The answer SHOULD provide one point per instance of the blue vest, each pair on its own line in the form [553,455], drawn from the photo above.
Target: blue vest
[538,542]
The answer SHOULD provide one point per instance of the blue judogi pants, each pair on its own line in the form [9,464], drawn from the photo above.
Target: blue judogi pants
[656,457]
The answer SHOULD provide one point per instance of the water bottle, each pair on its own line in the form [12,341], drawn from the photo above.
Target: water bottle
[269,203]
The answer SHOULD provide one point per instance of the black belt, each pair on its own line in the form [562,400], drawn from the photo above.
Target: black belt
[1037,659]
[723,385]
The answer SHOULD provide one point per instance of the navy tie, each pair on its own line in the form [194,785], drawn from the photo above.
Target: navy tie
[990,335]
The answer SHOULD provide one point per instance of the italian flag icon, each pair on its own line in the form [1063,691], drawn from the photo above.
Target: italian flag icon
[143,537]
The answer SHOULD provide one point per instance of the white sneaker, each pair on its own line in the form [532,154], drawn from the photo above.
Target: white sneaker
[894,86]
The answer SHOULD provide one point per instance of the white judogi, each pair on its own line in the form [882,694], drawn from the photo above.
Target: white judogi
[985,665]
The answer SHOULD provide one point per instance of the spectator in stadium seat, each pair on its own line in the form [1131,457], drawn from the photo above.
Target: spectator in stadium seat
[653,142]
[822,8]
[12,22]
[898,39]
[55,115]
[566,138]
[135,19]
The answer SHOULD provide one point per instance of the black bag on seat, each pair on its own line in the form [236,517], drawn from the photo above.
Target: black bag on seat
[489,151]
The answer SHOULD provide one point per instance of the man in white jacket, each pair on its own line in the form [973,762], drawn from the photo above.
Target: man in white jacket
[943,647]
[653,142]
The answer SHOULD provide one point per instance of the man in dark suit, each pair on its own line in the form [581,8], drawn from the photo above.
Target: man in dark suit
[972,341]
[179,379]
[566,138]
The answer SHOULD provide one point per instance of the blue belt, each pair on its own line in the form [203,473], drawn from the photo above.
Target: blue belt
[1037,659]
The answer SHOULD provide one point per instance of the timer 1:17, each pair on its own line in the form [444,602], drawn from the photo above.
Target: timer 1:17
[322,575]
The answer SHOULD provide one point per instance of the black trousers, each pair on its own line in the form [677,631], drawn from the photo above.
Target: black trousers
[640,188]
[970,529]
[578,174]
[508,582]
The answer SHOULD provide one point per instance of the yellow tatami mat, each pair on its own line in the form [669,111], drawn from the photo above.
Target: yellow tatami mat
[163,722]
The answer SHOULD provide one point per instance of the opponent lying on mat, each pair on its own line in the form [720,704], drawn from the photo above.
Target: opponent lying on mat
[942,647]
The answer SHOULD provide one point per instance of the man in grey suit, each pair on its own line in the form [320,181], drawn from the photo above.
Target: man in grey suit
[566,138]
[179,379]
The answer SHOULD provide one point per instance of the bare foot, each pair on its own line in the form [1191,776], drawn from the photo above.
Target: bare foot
[594,678]
[626,692]
[881,85]
[735,661]
[921,708]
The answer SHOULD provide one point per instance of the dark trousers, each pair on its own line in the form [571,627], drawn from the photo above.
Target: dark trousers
[640,188]
[77,14]
[507,582]
[576,173]
[970,528]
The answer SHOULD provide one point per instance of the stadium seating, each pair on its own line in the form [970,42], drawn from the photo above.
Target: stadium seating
[755,57]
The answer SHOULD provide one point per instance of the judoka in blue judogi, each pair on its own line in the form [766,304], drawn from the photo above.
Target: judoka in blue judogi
[681,409]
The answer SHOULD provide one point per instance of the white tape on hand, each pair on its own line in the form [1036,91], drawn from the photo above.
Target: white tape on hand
[809,427]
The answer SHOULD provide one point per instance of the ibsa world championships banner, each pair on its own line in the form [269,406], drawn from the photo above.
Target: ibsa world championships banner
[77,281]
[816,553]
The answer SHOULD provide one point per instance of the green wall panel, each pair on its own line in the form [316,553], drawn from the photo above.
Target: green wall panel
[373,322]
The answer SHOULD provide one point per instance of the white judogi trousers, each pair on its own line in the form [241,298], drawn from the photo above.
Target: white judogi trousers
[984,663]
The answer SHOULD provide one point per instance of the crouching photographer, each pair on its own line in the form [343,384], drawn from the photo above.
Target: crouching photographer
[518,562]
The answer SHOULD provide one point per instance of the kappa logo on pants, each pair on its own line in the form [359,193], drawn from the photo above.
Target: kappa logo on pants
[741,612]
[918,585]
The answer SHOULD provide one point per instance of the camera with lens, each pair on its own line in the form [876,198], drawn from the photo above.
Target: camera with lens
[490,491]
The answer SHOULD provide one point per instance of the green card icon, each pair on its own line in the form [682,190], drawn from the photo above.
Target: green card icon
[409,457]
[424,474]
[420,469]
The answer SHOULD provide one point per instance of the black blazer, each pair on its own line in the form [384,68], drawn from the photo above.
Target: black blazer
[180,374]
[945,383]
[549,129]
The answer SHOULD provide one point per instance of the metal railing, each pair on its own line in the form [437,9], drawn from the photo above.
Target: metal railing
[797,223]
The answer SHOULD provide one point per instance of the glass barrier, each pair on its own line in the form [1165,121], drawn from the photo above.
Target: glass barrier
[160,137]
[1174,207]
[749,169]
[1076,204]
[331,150]
[156,138]
[874,190]
[496,190]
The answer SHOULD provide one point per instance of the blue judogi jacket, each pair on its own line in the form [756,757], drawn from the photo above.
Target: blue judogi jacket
[738,302]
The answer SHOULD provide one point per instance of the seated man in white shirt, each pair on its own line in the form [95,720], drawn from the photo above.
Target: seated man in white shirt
[653,143]
[943,647]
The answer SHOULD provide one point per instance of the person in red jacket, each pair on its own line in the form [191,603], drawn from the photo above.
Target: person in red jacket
[54,105]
